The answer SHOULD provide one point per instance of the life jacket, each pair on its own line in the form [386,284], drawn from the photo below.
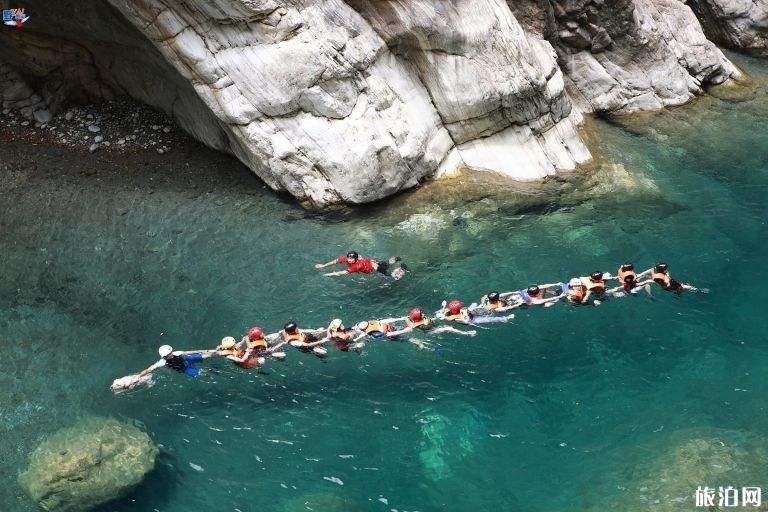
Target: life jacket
[299,335]
[252,361]
[340,338]
[376,328]
[576,294]
[623,274]
[339,335]
[175,362]
[260,344]
[464,315]
[662,278]
[425,323]
[591,285]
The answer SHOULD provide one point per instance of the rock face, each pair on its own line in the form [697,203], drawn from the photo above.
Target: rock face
[630,55]
[737,24]
[352,101]
[91,463]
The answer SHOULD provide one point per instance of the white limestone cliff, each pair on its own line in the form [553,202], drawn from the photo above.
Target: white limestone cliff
[350,102]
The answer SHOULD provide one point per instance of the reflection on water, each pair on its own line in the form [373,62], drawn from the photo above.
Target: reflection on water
[563,409]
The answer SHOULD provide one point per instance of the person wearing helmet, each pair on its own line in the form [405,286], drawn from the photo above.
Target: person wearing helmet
[594,283]
[376,329]
[629,281]
[393,267]
[535,295]
[306,340]
[341,337]
[240,354]
[416,319]
[576,291]
[180,361]
[454,311]
[660,275]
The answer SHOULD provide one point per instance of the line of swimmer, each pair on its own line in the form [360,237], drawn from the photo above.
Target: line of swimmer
[255,347]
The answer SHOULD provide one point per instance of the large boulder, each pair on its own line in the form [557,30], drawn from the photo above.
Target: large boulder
[737,24]
[93,462]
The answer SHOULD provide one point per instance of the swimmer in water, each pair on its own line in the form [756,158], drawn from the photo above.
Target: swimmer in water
[244,357]
[629,281]
[660,275]
[180,361]
[455,311]
[576,291]
[594,284]
[376,329]
[342,337]
[306,340]
[495,302]
[535,295]
[416,319]
[393,267]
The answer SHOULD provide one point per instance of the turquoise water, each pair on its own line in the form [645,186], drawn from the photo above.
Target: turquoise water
[561,410]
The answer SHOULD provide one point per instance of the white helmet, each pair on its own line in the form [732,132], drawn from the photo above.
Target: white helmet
[362,325]
[575,281]
[165,350]
[228,343]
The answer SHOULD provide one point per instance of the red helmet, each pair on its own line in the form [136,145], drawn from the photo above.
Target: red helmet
[255,333]
[454,307]
[416,315]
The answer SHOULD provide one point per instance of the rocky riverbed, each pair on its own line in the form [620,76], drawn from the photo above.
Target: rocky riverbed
[121,124]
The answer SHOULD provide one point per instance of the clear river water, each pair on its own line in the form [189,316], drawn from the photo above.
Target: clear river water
[563,409]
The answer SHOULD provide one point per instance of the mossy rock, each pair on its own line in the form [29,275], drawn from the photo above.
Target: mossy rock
[93,462]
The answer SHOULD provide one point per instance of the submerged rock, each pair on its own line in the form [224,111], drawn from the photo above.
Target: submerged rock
[697,459]
[321,502]
[93,462]
[445,440]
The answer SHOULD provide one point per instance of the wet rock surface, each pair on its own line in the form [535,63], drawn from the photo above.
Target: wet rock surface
[91,463]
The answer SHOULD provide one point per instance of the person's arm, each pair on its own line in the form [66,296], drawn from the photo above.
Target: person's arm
[404,330]
[332,262]
[152,368]
[548,286]
[242,359]
[339,273]
[275,348]
[448,328]
[644,273]
[509,294]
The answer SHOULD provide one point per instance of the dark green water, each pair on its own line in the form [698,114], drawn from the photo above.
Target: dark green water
[559,410]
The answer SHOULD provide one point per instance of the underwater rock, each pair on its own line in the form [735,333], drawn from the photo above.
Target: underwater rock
[320,502]
[93,462]
[444,439]
[697,459]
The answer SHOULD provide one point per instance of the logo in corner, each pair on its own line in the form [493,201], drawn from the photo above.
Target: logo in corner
[15,17]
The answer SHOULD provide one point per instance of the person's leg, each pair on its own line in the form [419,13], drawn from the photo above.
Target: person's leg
[191,371]
[490,320]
